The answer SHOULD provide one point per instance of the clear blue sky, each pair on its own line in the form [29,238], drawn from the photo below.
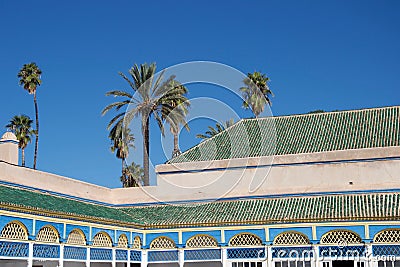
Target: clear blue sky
[319,55]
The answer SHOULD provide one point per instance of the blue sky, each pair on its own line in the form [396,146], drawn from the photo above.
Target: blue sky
[319,55]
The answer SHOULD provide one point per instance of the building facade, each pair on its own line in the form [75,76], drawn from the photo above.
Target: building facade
[326,193]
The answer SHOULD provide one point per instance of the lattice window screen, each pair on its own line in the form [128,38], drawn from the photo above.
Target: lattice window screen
[162,242]
[47,234]
[201,241]
[122,241]
[340,237]
[14,230]
[291,238]
[102,240]
[388,236]
[76,237]
[137,242]
[245,239]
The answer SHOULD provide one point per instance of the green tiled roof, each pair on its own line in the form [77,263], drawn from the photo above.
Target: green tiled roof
[373,206]
[343,207]
[330,131]
[41,203]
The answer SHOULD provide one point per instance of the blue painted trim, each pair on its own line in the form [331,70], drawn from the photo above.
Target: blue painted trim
[9,141]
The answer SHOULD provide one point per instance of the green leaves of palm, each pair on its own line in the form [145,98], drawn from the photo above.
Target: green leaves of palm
[29,77]
[214,131]
[21,126]
[256,92]
[121,140]
[132,175]
[151,97]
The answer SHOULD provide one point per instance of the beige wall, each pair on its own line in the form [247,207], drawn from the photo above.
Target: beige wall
[304,173]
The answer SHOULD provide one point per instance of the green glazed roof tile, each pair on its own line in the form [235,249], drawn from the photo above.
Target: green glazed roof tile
[297,134]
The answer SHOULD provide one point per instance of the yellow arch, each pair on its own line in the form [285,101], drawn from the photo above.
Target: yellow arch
[120,245]
[161,241]
[204,245]
[289,233]
[395,237]
[53,229]
[336,242]
[137,242]
[81,233]
[251,235]
[98,241]
[10,236]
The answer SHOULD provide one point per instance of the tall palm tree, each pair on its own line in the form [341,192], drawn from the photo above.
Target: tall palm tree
[256,92]
[29,78]
[148,98]
[174,112]
[132,175]
[214,131]
[121,140]
[21,126]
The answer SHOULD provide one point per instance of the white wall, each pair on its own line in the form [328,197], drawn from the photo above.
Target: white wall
[302,173]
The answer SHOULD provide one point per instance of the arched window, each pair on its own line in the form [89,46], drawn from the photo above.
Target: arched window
[336,237]
[102,239]
[201,241]
[48,234]
[162,242]
[388,236]
[122,241]
[291,238]
[14,230]
[76,237]
[244,240]
[137,242]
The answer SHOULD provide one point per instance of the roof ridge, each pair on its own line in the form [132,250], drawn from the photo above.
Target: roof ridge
[324,113]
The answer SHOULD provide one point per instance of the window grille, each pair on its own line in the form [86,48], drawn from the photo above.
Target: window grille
[162,242]
[202,241]
[291,238]
[341,237]
[102,240]
[245,239]
[388,236]
[76,237]
[47,234]
[122,241]
[137,243]
[14,230]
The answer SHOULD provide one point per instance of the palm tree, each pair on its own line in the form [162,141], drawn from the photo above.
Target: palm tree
[174,112]
[214,131]
[121,140]
[150,96]
[256,92]
[21,126]
[29,78]
[132,175]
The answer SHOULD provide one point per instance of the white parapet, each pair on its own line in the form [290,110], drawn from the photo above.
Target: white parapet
[9,148]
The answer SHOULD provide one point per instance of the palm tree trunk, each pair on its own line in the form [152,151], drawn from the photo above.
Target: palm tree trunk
[176,151]
[23,157]
[37,130]
[122,169]
[146,149]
